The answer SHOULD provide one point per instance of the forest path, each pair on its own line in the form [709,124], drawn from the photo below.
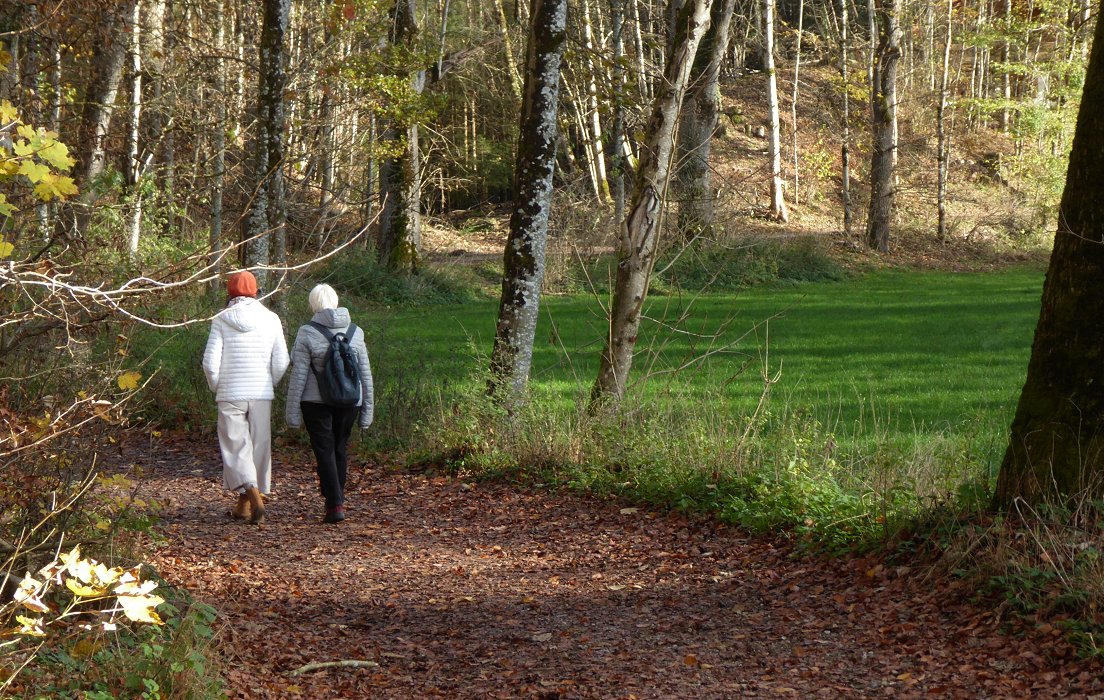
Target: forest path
[463,591]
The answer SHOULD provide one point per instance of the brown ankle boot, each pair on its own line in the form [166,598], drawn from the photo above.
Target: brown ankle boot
[257,504]
[243,509]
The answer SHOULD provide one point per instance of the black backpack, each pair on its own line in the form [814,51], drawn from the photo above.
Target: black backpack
[339,379]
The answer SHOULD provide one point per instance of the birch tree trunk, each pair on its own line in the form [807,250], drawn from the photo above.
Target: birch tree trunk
[941,127]
[523,261]
[883,107]
[639,234]
[264,223]
[698,124]
[793,101]
[134,158]
[778,202]
[1056,449]
[845,148]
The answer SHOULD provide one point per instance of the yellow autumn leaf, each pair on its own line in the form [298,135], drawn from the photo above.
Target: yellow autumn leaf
[53,186]
[5,247]
[8,112]
[33,171]
[29,626]
[140,608]
[83,591]
[128,381]
[56,154]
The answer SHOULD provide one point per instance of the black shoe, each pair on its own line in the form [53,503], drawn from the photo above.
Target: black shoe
[334,515]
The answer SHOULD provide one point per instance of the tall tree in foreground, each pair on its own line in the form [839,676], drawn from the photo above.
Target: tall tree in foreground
[1057,443]
[778,202]
[639,234]
[523,264]
[265,221]
[883,116]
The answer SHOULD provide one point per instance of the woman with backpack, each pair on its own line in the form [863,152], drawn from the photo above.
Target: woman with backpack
[330,389]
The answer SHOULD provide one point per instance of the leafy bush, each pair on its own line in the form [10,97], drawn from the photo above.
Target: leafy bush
[745,264]
[717,268]
[360,274]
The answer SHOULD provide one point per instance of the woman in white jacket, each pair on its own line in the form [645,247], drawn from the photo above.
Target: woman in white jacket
[246,357]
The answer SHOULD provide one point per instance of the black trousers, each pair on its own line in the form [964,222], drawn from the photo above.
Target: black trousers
[329,428]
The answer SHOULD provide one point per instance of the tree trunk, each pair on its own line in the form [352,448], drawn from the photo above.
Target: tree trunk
[778,202]
[400,178]
[108,59]
[595,119]
[1057,443]
[845,148]
[134,158]
[617,126]
[265,223]
[793,102]
[523,261]
[883,107]
[698,124]
[218,162]
[941,128]
[639,234]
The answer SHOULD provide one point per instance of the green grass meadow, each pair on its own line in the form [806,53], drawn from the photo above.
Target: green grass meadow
[918,351]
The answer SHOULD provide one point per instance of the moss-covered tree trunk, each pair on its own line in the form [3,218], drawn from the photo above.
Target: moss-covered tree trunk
[639,235]
[400,225]
[523,261]
[1057,443]
[883,116]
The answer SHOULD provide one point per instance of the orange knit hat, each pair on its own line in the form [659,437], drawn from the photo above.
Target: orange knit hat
[241,284]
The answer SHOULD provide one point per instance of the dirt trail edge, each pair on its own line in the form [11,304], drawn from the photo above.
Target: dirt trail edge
[465,591]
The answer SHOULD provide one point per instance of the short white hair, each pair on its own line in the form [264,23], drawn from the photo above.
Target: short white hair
[323,297]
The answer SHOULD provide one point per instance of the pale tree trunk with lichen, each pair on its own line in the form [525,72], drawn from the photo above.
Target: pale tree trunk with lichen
[523,260]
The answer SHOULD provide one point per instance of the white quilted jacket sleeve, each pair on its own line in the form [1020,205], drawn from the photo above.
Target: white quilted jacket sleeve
[246,354]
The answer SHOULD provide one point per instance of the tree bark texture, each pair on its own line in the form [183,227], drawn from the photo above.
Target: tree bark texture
[400,183]
[265,221]
[883,109]
[639,234]
[777,201]
[523,260]
[1056,447]
[943,148]
[693,177]
[845,147]
[108,59]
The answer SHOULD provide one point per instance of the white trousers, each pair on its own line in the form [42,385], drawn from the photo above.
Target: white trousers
[245,439]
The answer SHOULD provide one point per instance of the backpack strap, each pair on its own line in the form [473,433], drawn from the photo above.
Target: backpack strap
[323,330]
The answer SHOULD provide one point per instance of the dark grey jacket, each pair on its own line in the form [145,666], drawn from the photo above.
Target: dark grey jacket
[310,351]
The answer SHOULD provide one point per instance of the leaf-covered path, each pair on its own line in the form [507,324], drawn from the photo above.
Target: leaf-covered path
[466,591]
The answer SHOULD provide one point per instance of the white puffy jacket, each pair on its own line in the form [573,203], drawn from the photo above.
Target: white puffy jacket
[246,353]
